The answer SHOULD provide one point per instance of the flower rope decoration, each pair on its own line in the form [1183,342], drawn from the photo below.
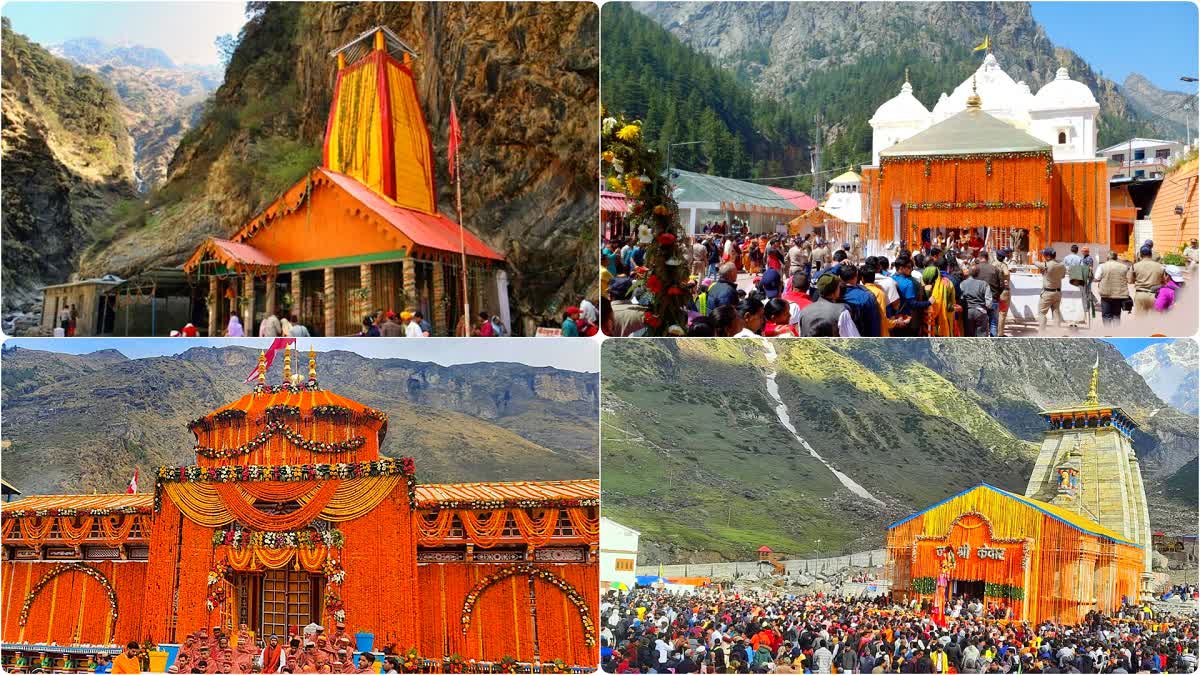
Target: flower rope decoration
[925,206]
[386,466]
[335,575]
[63,568]
[208,422]
[275,428]
[576,598]
[493,504]
[217,576]
[633,168]
[71,512]
[237,537]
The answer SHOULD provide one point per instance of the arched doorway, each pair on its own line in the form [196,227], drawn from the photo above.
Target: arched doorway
[531,614]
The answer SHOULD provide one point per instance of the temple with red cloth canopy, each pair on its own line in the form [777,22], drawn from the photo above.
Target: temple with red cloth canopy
[362,231]
[290,516]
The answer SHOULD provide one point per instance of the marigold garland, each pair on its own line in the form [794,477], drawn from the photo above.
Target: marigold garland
[69,512]
[235,536]
[526,569]
[633,168]
[63,568]
[277,428]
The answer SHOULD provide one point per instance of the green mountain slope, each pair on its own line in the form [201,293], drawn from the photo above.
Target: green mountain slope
[81,423]
[695,458]
[67,162]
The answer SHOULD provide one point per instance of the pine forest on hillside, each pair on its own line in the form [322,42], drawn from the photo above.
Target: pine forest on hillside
[683,95]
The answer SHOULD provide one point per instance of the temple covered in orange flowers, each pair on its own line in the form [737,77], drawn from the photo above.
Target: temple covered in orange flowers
[991,158]
[362,231]
[291,516]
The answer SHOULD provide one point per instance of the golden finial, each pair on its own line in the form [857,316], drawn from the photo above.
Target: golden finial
[262,367]
[1093,398]
[312,363]
[287,365]
[973,101]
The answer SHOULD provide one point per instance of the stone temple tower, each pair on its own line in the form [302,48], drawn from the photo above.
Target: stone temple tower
[1087,464]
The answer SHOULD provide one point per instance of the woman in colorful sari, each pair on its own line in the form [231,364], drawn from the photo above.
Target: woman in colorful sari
[939,319]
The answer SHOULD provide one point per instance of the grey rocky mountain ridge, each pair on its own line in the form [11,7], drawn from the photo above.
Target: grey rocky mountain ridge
[1170,370]
[777,45]
[82,422]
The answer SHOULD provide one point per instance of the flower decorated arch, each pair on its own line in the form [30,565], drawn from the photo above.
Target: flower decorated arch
[63,568]
[525,569]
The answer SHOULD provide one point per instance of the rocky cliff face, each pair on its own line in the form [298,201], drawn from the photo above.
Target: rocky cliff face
[83,422]
[160,100]
[67,161]
[777,45]
[1172,110]
[525,78]
[1170,371]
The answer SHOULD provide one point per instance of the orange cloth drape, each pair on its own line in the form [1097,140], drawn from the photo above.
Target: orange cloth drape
[243,509]
[536,529]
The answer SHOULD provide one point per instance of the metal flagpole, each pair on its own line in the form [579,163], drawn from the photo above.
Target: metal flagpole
[462,243]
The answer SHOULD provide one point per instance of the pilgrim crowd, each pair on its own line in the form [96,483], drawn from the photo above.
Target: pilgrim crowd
[215,651]
[751,631]
[807,287]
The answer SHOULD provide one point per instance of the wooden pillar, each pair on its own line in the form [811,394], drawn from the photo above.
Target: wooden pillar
[296,294]
[366,280]
[214,298]
[270,294]
[248,310]
[410,283]
[440,310]
[330,304]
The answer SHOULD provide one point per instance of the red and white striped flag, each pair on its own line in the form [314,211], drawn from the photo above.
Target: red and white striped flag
[132,487]
[455,139]
[279,343]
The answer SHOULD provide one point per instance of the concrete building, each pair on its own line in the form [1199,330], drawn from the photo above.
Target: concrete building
[618,554]
[1143,157]
[1087,465]
[94,311]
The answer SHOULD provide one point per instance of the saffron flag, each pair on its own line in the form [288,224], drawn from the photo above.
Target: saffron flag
[132,488]
[279,343]
[455,139]
[985,45]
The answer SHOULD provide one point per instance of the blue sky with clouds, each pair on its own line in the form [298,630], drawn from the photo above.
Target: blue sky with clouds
[578,354]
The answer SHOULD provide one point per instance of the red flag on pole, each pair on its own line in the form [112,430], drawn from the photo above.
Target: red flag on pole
[455,139]
[279,343]
[132,488]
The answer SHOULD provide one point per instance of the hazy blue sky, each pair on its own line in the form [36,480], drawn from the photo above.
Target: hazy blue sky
[581,355]
[1131,346]
[184,30]
[1156,39]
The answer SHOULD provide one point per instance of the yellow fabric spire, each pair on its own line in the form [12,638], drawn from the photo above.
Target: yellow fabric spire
[986,45]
